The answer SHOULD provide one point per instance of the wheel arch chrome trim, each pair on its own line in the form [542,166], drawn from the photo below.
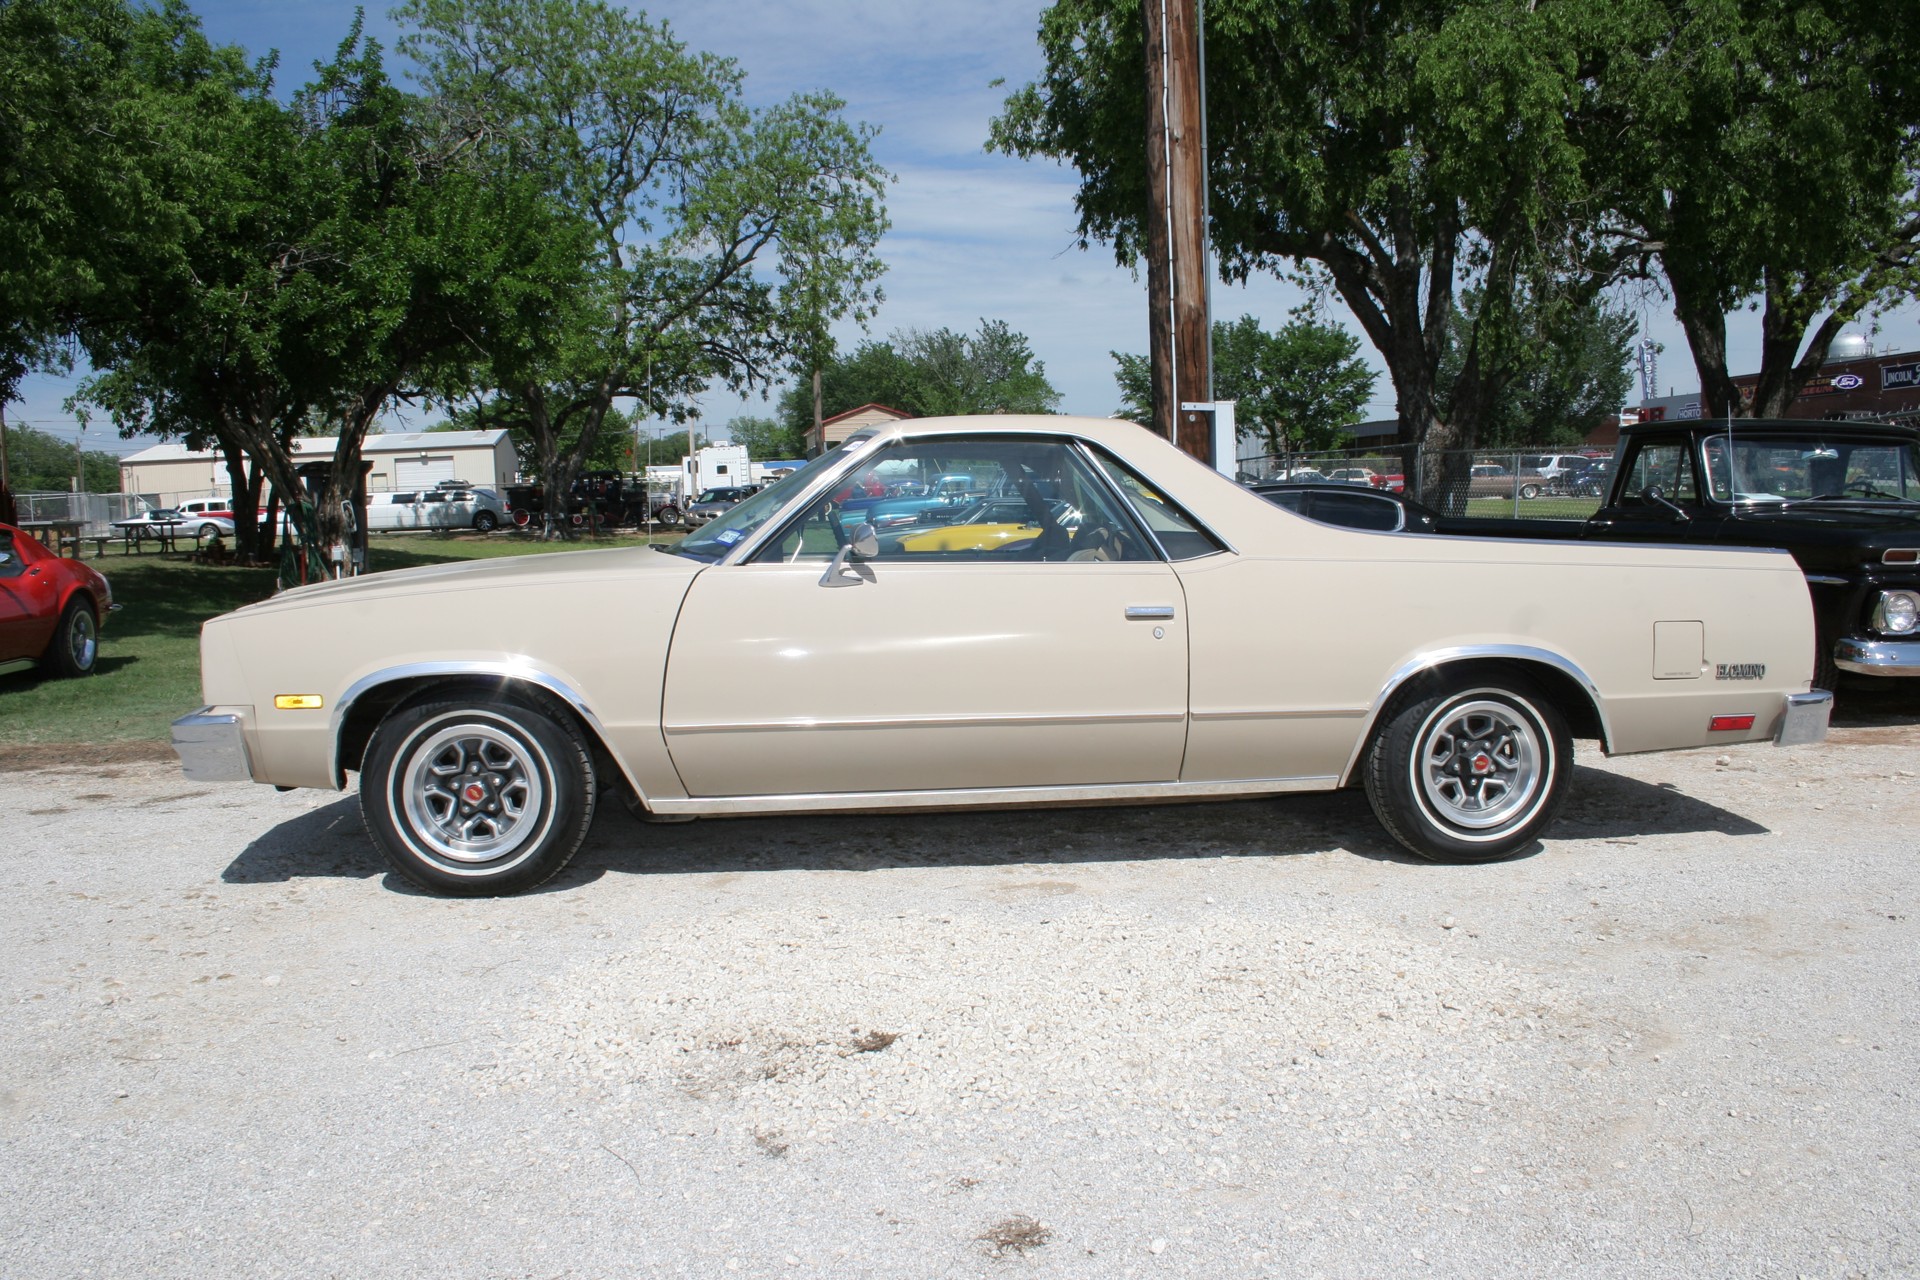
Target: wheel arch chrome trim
[517,669]
[1437,658]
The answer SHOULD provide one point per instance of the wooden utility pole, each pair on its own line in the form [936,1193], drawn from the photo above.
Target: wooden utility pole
[1180,325]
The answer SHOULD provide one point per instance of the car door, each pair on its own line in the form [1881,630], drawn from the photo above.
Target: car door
[939,670]
[1678,515]
[29,603]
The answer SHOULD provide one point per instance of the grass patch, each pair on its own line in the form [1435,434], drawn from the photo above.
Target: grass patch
[149,670]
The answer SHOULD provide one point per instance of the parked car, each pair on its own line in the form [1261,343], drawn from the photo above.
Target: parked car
[147,523]
[713,503]
[51,608]
[1589,479]
[1187,640]
[199,513]
[1355,475]
[1547,466]
[481,510]
[1379,510]
[1492,480]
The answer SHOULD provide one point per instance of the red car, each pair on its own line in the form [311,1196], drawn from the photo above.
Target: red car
[50,608]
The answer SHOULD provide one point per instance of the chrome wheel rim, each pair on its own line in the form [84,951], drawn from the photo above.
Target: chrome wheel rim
[474,793]
[83,640]
[1482,765]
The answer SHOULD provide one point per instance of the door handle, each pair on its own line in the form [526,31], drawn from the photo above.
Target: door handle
[1149,612]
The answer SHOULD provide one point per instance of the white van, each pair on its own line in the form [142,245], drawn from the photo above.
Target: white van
[478,509]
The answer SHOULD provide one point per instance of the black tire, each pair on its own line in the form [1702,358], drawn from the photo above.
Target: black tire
[1431,765]
[1529,491]
[485,522]
[508,753]
[75,647]
[670,514]
[207,530]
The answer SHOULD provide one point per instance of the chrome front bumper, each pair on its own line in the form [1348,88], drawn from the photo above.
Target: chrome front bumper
[1805,719]
[1867,656]
[212,746]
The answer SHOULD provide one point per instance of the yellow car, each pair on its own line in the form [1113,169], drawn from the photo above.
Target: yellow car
[987,526]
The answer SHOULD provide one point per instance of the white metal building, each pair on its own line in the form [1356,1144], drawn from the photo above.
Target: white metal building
[168,473]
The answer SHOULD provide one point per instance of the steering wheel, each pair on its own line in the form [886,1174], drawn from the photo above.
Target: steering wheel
[1100,540]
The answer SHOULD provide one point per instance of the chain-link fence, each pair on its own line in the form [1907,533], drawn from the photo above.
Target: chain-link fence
[1542,482]
[95,512]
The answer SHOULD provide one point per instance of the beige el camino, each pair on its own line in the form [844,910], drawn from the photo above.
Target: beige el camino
[1162,634]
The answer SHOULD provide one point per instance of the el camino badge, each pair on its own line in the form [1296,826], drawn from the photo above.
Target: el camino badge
[1739,670]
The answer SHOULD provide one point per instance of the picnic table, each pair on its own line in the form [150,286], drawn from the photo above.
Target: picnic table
[61,535]
[161,531]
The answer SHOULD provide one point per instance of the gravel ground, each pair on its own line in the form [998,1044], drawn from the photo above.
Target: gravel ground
[1227,1040]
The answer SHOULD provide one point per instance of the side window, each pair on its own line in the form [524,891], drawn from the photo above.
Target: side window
[1007,499]
[402,497]
[1178,533]
[1357,511]
[1666,466]
[11,566]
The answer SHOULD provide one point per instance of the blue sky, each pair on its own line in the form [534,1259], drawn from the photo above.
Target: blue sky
[974,235]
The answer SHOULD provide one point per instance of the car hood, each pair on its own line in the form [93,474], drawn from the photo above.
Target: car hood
[470,575]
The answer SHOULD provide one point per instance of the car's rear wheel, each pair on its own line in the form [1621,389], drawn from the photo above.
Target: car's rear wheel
[75,647]
[476,799]
[669,514]
[1471,772]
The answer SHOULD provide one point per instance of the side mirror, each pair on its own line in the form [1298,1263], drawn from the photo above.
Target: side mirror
[845,571]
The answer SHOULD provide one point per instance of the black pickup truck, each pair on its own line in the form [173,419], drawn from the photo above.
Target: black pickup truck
[1842,497]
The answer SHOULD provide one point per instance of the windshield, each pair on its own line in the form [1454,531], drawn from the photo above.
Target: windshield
[1817,466]
[713,540]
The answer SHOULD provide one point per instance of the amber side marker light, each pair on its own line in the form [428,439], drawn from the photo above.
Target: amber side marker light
[313,702]
[1901,555]
[1722,723]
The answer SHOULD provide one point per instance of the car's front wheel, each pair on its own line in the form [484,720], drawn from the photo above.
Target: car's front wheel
[477,798]
[485,522]
[1470,773]
[75,647]
[1529,491]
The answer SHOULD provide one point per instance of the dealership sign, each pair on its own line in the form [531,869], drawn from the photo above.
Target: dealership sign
[1899,377]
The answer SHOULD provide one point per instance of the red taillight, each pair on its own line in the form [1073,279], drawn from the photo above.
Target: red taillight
[1724,724]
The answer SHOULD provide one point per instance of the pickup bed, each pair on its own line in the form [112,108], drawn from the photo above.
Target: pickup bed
[1842,497]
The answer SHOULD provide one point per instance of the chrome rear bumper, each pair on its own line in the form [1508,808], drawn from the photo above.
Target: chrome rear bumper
[1805,719]
[212,746]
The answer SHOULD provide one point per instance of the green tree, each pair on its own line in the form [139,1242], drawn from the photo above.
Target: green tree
[76,201]
[1301,388]
[344,249]
[724,238]
[767,439]
[1770,158]
[1396,151]
[40,462]
[1572,375]
[929,374]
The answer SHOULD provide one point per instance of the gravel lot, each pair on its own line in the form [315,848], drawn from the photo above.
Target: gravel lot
[1227,1040]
